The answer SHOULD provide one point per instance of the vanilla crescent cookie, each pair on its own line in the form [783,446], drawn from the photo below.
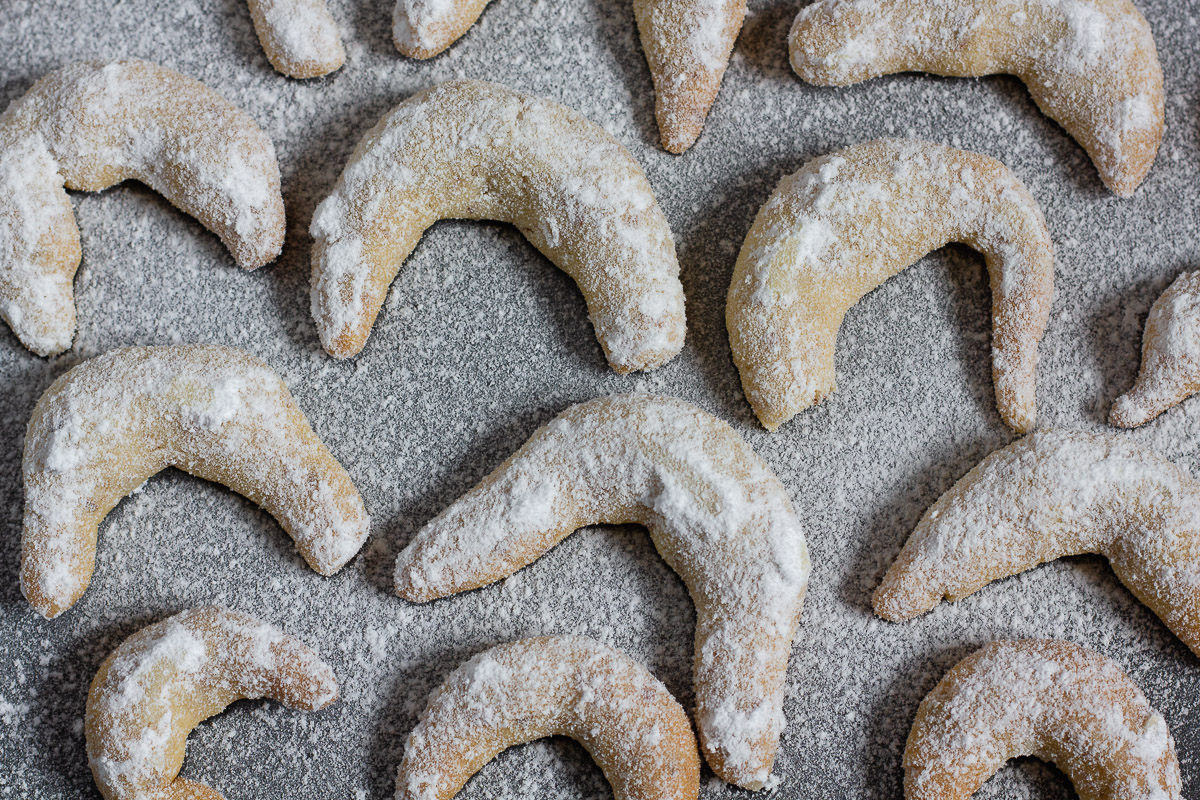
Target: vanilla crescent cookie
[687,45]
[163,680]
[1046,698]
[553,686]
[90,125]
[1054,494]
[716,513]
[300,37]
[848,221]
[477,150]
[1090,65]
[1170,356]
[110,423]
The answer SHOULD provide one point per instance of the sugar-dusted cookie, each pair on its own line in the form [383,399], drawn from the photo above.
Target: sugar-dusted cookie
[1046,698]
[219,413]
[300,37]
[1053,494]
[687,45]
[1170,356]
[1090,65]
[477,150]
[717,514]
[163,680]
[553,686]
[91,125]
[848,221]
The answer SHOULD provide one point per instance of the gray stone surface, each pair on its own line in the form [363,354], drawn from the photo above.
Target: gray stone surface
[482,340]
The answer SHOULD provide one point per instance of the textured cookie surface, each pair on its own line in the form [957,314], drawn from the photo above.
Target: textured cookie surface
[553,686]
[1046,698]
[90,125]
[1170,370]
[717,514]
[477,150]
[300,37]
[159,683]
[1053,494]
[219,413]
[1091,65]
[842,225]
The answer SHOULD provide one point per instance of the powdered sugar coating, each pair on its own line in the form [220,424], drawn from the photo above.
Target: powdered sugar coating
[93,124]
[553,686]
[687,45]
[1047,698]
[424,28]
[161,681]
[716,513]
[1091,65]
[300,37]
[477,150]
[109,424]
[842,225]
[1053,494]
[1170,369]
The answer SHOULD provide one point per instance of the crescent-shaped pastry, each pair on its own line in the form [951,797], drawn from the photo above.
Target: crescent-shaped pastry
[1170,356]
[91,125]
[848,221]
[476,150]
[553,686]
[300,37]
[1055,494]
[1090,65]
[1046,698]
[687,45]
[219,413]
[716,513]
[163,680]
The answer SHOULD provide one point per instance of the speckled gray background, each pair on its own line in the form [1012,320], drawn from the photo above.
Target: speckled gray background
[482,340]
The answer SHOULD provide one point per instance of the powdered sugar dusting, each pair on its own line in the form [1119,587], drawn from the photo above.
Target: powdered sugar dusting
[476,150]
[1050,699]
[160,682]
[716,514]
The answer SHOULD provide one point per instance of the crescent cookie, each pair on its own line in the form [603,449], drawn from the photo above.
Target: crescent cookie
[716,513]
[1046,698]
[163,680]
[553,686]
[477,150]
[300,37]
[91,125]
[1090,65]
[848,221]
[1054,494]
[687,45]
[1170,356]
[219,413]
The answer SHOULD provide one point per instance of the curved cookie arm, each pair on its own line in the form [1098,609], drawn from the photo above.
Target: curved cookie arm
[90,125]
[687,45]
[300,37]
[1170,369]
[162,681]
[1046,698]
[39,248]
[842,225]
[553,686]
[716,513]
[1054,494]
[1091,65]
[476,150]
[424,28]
[107,425]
